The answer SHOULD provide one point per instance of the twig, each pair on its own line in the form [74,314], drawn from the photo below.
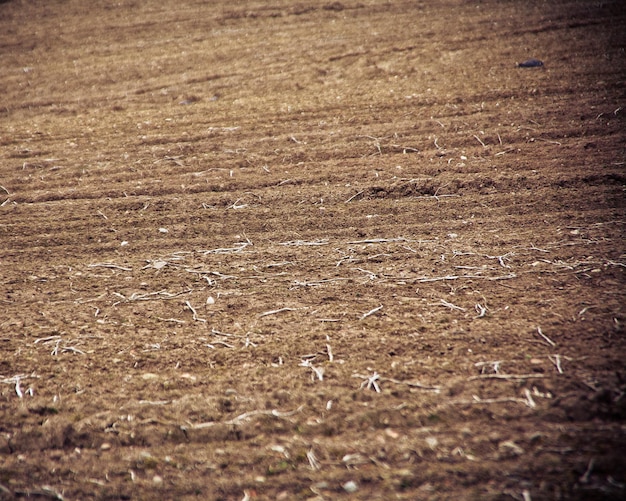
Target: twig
[376,143]
[209,272]
[478,139]
[495,366]
[371,274]
[481,310]
[316,283]
[243,417]
[457,277]
[18,389]
[72,349]
[477,400]
[313,462]
[6,201]
[224,334]
[44,492]
[548,340]
[529,399]
[544,140]
[557,362]
[279,310]
[46,339]
[226,250]
[354,196]
[506,376]
[412,384]
[370,382]
[57,340]
[173,320]
[378,240]
[219,341]
[110,265]
[150,296]
[500,258]
[445,303]
[302,242]
[195,314]
[317,371]
[533,247]
[585,476]
[235,206]
[371,312]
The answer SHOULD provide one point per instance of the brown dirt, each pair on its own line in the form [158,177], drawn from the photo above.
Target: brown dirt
[202,202]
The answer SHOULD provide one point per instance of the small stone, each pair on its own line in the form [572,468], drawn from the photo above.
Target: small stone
[157,479]
[391,433]
[531,63]
[510,448]
[321,485]
[350,486]
[432,442]
[106,446]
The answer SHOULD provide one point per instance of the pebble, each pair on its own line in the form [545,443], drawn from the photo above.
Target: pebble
[432,442]
[391,433]
[530,63]
[350,486]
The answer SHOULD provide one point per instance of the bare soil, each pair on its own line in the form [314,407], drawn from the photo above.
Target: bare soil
[312,250]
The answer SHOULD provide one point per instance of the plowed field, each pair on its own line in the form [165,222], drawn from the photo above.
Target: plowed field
[312,250]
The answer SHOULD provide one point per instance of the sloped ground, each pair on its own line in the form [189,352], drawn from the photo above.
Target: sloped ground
[312,250]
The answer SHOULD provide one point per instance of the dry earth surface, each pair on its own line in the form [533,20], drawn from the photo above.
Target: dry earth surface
[312,250]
